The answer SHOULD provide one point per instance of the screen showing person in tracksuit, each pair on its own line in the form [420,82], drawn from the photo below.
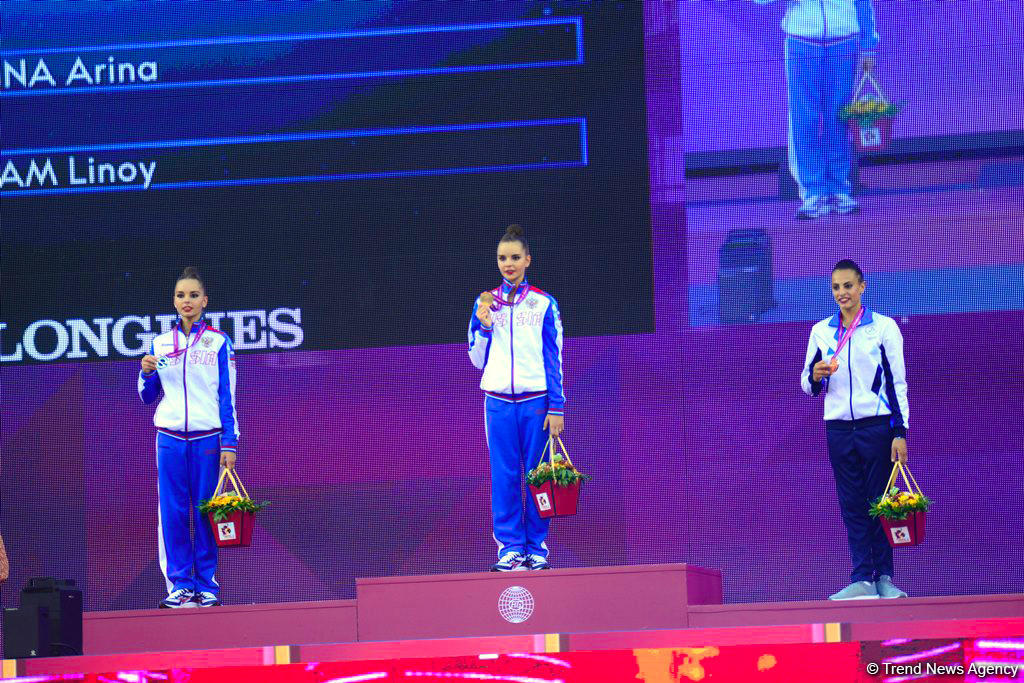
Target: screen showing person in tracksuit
[826,41]
[515,337]
[855,358]
[193,365]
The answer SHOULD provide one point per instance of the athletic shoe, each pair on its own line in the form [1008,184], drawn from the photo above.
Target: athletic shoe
[536,562]
[845,204]
[510,562]
[858,590]
[887,589]
[207,599]
[177,599]
[814,206]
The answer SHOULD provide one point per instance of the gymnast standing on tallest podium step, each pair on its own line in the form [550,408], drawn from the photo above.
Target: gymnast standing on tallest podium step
[515,337]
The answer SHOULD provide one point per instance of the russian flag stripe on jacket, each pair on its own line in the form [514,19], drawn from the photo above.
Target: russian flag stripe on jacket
[199,396]
[521,354]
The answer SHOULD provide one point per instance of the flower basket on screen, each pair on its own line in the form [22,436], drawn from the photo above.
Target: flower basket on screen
[555,483]
[231,515]
[902,513]
[870,117]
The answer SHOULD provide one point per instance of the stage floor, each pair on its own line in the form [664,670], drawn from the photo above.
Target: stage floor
[679,607]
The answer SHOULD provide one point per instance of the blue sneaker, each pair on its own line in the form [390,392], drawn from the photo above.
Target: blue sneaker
[178,599]
[858,590]
[887,590]
[207,599]
[813,207]
[845,204]
[536,562]
[510,562]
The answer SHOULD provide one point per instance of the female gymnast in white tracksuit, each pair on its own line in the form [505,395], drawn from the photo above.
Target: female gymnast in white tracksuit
[197,433]
[517,342]
[855,358]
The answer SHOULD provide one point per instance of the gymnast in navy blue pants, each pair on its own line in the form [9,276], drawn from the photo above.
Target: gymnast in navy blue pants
[855,358]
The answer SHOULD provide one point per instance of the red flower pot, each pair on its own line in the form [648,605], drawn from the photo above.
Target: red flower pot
[904,532]
[556,501]
[873,138]
[234,531]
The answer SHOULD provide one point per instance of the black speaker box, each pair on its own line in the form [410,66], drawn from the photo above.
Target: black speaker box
[64,604]
[26,632]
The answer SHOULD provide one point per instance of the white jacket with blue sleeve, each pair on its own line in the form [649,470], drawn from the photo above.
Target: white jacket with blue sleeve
[872,377]
[198,385]
[521,353]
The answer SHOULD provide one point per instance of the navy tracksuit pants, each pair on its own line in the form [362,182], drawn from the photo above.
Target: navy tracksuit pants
[187,473]
[516,439]
[860,452]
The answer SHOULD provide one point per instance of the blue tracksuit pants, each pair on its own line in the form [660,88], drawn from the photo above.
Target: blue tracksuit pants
[860,452]
[819,81]
[187,473]
[516,439]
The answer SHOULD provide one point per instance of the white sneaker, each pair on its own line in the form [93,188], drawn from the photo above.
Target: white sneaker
[813,207]
[207,599]
[178,599]
[845,204]
[536,562]
[510,562]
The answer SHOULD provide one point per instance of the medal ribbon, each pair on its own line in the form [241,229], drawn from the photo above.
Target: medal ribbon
[501,302]
[177,352]
[845,337]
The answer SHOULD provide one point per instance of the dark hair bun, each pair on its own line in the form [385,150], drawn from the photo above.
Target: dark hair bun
[191,273]
[515,233]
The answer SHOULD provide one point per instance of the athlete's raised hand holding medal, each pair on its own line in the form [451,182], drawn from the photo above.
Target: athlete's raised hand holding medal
[483,311]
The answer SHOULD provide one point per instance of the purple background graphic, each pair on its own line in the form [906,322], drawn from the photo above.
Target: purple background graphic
[702,447]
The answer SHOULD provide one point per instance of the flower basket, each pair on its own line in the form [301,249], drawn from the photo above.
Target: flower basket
[902,513]
[235,531]
[904,532]
[870,117]
[871,136]
[232,515]
[555,484]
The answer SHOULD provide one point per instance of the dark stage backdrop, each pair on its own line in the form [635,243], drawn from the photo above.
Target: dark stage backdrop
[341,172]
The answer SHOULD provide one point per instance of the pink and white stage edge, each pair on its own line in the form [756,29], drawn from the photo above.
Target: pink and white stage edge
[602,608]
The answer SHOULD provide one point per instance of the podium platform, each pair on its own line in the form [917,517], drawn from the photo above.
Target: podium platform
[590,607]
[552,601]
[502,624]
[162,630]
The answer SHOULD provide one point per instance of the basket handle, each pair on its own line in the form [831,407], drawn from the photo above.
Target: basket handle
[236,483]
[908,473]
[550,450]
[868,78]
[900,468]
